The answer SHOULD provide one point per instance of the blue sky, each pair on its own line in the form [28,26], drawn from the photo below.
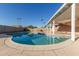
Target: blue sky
[31,13]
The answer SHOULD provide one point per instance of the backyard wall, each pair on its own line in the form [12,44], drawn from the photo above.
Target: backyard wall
[7,29]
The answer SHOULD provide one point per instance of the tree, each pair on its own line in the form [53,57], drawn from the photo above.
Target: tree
[19,21]
[31,26]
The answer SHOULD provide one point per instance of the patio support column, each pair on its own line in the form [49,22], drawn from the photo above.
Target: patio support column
[73,22]
[50,28]
[53,27]
[47,29]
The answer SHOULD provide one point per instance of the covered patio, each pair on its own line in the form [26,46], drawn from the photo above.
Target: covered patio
[63,21]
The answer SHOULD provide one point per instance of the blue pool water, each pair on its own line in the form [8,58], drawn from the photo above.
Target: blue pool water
[36,39]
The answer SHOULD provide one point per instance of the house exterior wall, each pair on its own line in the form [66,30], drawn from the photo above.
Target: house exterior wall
[65,28]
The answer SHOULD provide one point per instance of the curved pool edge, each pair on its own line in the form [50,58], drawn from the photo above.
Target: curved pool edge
[12,44]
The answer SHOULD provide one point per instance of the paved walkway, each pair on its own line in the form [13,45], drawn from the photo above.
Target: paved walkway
[70,50]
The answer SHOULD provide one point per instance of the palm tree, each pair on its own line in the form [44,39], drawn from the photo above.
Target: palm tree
[19,20]
[42,20]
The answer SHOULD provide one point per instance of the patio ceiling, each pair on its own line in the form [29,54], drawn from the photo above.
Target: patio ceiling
[64,17]
[63,14]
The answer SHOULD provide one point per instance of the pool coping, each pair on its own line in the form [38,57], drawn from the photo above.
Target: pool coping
[12,44]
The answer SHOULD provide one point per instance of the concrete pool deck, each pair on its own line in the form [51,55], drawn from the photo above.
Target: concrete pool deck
[71,49]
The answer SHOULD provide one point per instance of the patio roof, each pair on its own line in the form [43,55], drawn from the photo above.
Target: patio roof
[64,13]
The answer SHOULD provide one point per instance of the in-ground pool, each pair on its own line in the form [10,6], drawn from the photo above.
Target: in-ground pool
[37,39]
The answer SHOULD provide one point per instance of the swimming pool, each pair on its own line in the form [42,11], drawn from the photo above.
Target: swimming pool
[37,39]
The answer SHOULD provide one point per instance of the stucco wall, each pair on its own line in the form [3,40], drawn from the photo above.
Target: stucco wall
[65,28]
[5,29]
